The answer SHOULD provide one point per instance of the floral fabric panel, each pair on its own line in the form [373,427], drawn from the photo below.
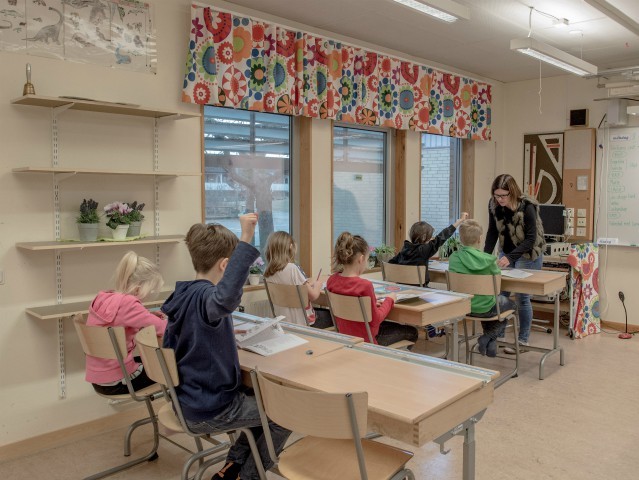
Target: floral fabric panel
[245,63]
[584,260]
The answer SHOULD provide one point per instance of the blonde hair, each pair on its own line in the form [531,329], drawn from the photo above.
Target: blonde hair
[420,232]
[209,243]
[347,247]
[470,232]
[280,251]
[137,276]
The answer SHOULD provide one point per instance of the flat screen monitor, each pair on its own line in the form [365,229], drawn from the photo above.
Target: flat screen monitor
[553,218]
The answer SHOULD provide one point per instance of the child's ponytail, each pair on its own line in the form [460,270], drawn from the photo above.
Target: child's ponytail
[137,276]
[347,247]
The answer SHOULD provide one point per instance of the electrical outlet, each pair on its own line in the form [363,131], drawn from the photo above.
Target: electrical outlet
[581,232]
[581,212]
[571,212]
[581,222]
[570,232]
[570,222]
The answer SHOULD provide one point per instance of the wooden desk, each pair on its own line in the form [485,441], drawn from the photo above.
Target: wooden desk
[432,307]
[412,398]
[541,282]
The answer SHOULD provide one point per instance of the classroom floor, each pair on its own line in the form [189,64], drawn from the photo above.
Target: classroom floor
[578,423]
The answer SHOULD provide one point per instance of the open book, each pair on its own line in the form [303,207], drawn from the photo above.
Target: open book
[267,338]
[515,273]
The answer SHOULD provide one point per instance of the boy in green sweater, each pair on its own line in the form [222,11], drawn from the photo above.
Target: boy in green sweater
[471,259]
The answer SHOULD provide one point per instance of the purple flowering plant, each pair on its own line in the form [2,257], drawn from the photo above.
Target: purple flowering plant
[257,266]
[118,214]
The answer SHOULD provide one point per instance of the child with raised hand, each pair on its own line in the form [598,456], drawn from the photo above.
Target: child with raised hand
[200,330]
[281,270]
[471,259]
[422,245]
[351,255]
[136,278]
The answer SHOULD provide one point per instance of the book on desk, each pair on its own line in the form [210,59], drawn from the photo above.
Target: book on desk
[266,338]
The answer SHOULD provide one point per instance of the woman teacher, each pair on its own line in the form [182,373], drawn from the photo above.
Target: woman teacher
[514,221]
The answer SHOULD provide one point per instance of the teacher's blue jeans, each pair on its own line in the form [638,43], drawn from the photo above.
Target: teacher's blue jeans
[523,300]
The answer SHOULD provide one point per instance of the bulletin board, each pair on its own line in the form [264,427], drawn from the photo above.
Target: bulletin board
[579,183]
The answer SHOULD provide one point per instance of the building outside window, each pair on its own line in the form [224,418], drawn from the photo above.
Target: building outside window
[247,168]
[360,183]
[440,180]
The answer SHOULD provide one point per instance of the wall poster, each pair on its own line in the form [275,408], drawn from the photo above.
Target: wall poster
[544,167]
[115,33]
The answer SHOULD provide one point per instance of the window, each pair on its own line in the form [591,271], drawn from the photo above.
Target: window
[440,180]
[359,183]
[247,166]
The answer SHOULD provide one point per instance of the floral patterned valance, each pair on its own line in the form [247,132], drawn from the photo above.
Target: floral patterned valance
[241,62]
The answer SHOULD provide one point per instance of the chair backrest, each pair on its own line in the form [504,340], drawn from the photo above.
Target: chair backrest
[405,274]
[354,309]
[96,341]
[287,296]
[157,360]
[319,414]
[473,284]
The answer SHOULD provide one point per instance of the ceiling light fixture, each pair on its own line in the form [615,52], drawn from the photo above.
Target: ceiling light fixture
[615,14]
[554,56]
[445,10]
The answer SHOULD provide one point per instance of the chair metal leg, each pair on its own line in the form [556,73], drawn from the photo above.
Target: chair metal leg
[404,474]
[255,452]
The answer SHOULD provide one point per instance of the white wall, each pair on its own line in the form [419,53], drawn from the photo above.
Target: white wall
[559,95]
[28,347]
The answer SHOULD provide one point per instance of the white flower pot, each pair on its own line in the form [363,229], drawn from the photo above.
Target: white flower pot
[88,232]
[119,232]
[254,278]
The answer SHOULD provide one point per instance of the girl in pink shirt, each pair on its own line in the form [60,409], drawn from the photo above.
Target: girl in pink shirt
[135,279]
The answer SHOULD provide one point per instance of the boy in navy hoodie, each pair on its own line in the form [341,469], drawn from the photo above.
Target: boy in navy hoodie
[200,330]
[471,259]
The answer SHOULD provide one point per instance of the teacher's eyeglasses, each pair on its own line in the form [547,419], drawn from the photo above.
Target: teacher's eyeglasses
[498,197]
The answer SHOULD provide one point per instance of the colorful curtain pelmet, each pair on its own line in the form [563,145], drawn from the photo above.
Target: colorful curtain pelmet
[240,62]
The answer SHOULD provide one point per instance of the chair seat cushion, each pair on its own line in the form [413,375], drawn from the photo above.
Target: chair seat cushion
[329,459]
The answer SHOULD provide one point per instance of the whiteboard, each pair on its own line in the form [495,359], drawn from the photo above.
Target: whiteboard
[619,217]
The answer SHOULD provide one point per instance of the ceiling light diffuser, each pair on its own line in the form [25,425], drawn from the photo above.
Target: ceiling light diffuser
[615,14]
[549,54]
[445,10]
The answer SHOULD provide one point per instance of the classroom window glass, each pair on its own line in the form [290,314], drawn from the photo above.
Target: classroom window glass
[359,183]
[440,180]
[247,168]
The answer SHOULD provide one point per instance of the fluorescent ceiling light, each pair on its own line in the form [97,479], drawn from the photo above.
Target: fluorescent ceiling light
[445,10]
[615,14]
[554,56]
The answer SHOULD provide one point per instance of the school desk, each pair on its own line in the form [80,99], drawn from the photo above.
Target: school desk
[541,282]
[431,308]
[411,398]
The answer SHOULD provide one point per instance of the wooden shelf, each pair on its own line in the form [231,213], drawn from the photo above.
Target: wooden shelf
[87,171]
[32,246]
[97,106]
[53,312]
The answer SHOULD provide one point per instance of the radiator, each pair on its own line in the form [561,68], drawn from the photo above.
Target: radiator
[260,308]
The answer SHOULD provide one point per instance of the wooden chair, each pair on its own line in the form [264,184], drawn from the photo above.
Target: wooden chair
[485,285]
[334,425]
[110,343]
[404,274]
[161,367]
[287,296]
[356,309]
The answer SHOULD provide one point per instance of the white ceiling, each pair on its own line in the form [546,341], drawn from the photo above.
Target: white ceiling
[480,45]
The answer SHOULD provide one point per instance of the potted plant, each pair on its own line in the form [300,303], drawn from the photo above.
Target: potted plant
[135,216]
[451,245]
[384,253]
[88,220]
[118,215]
[255,271]
[372,257]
